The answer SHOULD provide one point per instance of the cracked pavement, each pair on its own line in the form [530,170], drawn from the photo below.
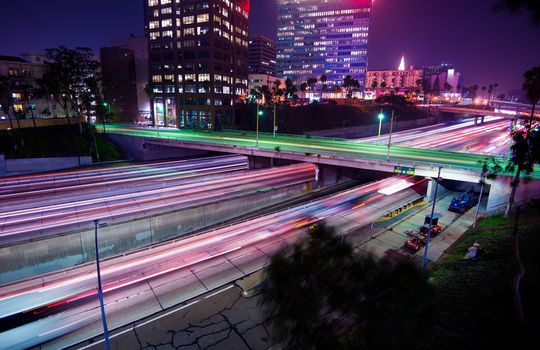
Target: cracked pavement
[221,319]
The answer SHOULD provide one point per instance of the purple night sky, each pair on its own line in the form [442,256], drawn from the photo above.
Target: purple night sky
[486,47]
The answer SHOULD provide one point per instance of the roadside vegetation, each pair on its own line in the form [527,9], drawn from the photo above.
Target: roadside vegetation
[56,141]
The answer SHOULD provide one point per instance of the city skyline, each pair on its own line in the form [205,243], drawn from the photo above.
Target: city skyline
[482,44]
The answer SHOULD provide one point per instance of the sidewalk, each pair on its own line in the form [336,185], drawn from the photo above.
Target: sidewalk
[388,241]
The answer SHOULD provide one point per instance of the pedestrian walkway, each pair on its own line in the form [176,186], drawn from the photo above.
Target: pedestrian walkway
[388,241]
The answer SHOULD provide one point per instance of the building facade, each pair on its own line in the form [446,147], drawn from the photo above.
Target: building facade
[394,79]
[318,38]
[258,80]
[198,60]
[139,46]
[22,74]
[262,56]
[119,83]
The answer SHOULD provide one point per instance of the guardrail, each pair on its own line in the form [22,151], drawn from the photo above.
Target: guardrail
[393,160]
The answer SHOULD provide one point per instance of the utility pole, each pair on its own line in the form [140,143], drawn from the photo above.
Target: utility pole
[100,290]
[424,259]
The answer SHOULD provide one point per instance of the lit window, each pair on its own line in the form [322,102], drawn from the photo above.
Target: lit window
[203,18]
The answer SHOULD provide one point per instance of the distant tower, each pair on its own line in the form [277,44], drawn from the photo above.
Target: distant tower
[402,63]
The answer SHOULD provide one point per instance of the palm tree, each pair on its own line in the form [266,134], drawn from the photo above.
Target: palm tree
[311,81]
[323,80]
[149,89]
[304,86]
[531,85]
[374,85]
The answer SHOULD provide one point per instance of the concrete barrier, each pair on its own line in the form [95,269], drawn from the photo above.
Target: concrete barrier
[37,165]
[67,250]
[40,122]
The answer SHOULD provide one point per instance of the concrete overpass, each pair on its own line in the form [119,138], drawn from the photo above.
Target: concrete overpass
[328,152]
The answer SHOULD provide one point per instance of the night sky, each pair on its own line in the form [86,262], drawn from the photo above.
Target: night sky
[485,46]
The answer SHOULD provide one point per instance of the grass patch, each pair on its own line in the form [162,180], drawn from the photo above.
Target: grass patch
[474,299]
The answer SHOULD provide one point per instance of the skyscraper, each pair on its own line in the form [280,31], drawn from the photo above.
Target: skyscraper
[198,59]
[323,37]
[262,56]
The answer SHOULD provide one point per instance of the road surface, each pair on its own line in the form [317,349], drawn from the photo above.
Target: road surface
[154,279]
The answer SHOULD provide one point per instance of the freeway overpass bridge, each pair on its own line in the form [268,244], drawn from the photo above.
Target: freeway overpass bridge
[327,152]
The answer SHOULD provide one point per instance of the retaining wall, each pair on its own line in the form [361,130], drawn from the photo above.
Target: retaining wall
[45,255]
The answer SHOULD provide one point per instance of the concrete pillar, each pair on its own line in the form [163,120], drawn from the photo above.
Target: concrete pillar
[430,190]
[328,175]
[499,193]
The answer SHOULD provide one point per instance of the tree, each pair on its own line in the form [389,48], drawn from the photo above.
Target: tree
[491,167]
[517,6]
[524,153]
[324,296]
[6,99]
[473,92]
[526,144]
[290,88]
[384,85]
[68,73]
[374,85]
[531,84]
[304,86]
[311,81]
[350,84]
[323,80]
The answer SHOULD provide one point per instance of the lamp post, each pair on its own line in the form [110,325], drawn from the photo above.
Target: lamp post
[381,118]
[108,105]
[424,259]
[275,115]
[100,290]
[259,114]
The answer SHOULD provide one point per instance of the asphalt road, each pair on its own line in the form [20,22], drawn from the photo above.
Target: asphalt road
[151,280]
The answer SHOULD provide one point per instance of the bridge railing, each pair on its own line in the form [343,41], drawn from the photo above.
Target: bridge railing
[399,161]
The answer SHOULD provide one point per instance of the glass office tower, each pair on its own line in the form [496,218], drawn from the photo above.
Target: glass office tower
[198,57]
[323,37]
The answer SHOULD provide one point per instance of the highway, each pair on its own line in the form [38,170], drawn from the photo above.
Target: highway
[489,138]
[64,307]
[27,214]
[303,145]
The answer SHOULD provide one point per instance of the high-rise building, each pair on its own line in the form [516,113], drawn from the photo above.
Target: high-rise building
[198,59]
[139,46]
[120,82]
[323,37]
[262,56]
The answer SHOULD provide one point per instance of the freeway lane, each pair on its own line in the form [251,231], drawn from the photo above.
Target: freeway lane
[21,221]
[491,138]
[313,145]
[63,184]
[144,282]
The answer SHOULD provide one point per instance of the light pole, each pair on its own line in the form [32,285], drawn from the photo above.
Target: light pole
[381,118]
[259,114]
[275,114]
[106,104]
[100,290]
[424,259]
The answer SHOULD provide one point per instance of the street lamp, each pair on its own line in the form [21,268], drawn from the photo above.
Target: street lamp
[100,290]
[381,118]
[108,106]
[258,115]
[424,259]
